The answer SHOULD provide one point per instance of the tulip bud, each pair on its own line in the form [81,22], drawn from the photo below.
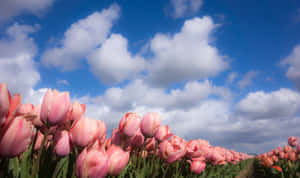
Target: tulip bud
[25,109]
[4,102]
[61,145]
[37,120]
[293,141]
[162,132]
[16,138]
[118,160]
[55,107]
[92,163]
[85,131]
[129,124]
[77,111]
[197,166]
[151,121]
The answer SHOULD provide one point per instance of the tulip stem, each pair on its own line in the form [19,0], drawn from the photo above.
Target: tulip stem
[165,173]
[56,168]
[74,165]
[37,163]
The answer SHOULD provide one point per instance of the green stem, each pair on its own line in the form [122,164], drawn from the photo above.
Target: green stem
[37,163]
[165,173]
[56,168]
[74,164]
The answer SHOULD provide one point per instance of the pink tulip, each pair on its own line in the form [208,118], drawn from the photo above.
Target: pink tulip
[193,149]
[61,145]
[85,131]
[197,166]
[287,148]
[293,141]
[150,144]
[137,140]
[173,149]
[118,160]
[117,138]
[292,156]
[55,107]
[37,120]
[151,121]
[4,102]
[281,155]
[92,163]
[162,132]
[298,149]
[25,109]
[16,138]
[129,124]
[78,111]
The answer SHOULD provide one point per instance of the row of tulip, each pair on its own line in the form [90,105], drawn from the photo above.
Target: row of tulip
[286,160]
[57,129]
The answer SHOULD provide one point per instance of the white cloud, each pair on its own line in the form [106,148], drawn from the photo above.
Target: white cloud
[231,77]
[185,7]
[12,8]
[283,103]
[62,82]
[81,38]
[112,63]
[293,63]
[187,55]
[247,80]
[17,66]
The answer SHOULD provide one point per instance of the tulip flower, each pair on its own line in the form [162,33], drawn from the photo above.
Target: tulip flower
[78,111]
[61,145]
[37,120]
[16,138]
[162,132]
[151,121]
[55,107]
[85,131]
[173,149]
[4,102]
[137,140]
[293,141]
[197,166]
[25,109]
[193,149]
[118,160]
[92,164]
[117,138]
[130,124]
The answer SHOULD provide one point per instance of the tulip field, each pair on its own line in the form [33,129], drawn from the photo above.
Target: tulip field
[56,139]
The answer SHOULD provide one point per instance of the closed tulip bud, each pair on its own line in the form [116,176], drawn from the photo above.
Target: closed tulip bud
[150,144]
[25,109]
[197,166]
[162,133]
[118,160]
[4,102]
[137,140]
[117,138]
[130,124]
[16,138]
[85,131]
[78,111]
[151,121]
[281,155]
[37,119]
[55,107]
[293,141]
[92,164]
[61,145]
[292,156]
[173,149]
[267,161]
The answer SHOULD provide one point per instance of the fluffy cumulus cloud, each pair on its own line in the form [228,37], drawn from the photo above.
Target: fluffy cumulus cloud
[112,63]
[17,66]
[247,79]
[182,8]
[81,38]
[281,104]
[187,55]
[293,63]
[9,8]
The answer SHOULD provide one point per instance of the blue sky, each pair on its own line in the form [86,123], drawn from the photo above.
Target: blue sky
[221,70]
